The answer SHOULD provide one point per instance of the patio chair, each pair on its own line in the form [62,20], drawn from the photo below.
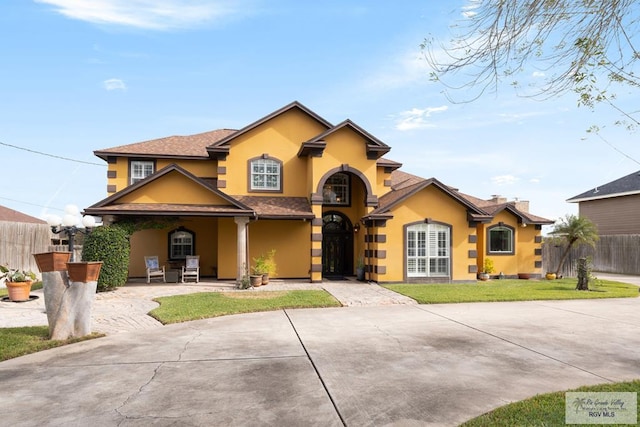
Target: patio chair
[191,268]
[154,270]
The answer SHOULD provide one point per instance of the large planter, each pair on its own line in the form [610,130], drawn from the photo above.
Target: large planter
[52,261]
[84,271]
[256,280]
[18,291]
[524,276]
[265,279]
[483,276]
[360,274]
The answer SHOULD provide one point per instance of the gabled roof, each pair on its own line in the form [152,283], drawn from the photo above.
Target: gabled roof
[625,186]
[10,215]
[409,185]
[110,206]
[375,147]
[189,146]
[388,164]
[221,147]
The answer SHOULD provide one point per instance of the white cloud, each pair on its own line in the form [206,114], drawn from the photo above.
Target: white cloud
[417,118]
[114,84]
[534,180]
[146,14]
[504,180]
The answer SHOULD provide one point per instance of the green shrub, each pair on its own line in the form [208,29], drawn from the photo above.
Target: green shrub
[109,244]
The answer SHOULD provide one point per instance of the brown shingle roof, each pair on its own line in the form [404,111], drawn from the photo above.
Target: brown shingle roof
[166,209]
[171,146]
[278,207]
[11,215]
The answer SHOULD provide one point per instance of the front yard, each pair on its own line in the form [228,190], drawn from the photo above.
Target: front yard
[512,290]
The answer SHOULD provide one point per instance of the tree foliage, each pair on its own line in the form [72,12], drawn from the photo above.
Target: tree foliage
[574,230]
[584,46]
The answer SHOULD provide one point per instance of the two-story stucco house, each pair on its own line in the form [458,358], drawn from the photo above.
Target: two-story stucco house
[322,195]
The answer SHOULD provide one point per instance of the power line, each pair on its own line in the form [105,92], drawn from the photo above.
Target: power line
[52,155]
[31,204]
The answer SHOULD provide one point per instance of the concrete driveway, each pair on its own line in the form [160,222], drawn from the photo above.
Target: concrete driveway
[402,365]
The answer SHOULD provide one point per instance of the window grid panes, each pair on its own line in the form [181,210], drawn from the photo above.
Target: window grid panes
[428,250]
[336,190]
[181,244]
[265,174]
[501,240]
[140,170]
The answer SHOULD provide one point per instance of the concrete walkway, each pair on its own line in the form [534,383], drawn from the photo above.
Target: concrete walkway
[125,309]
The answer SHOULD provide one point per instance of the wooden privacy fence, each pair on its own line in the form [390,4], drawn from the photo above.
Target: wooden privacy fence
[612,254]
[19,241]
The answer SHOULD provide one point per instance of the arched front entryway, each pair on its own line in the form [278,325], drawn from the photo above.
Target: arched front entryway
[337,245]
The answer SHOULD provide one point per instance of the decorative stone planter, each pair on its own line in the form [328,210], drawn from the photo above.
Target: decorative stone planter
[84,271]
[483,276]
[18,291]
[52,261]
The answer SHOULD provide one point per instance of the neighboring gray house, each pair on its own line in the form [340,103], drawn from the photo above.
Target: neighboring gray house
[614,207]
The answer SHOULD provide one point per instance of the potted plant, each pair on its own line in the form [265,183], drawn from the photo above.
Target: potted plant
[360,269]
[18,282]
[265,266]
[550,275]
[487,269]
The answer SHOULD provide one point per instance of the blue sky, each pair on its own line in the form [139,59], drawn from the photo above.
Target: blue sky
[83,75]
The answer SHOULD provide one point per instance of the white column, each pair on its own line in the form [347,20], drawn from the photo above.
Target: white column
[241,247]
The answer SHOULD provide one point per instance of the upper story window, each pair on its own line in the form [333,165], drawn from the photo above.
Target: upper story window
[336,190]
[266,174]
[181,243]
[140,169]
[500,239]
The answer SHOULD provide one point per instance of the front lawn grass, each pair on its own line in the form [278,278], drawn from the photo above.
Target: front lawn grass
[543,410]
[512,290]
[203,305]
[16,342]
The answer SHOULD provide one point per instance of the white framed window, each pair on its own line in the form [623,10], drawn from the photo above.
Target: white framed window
[500,239]
[181,243]
[140,169]
[428,250]
[336,190]
[266,175]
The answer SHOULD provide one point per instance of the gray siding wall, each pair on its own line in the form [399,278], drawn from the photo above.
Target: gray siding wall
[617,215]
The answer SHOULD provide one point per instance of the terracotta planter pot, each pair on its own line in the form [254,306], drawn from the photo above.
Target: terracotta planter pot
[256,280]
[524,276]
[52,261]
[18,291]
[84,271]
[265,279]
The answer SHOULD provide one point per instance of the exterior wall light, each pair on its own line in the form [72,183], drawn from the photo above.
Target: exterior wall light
[71,223]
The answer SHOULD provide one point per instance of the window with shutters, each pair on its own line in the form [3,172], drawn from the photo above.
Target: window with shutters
[428,250]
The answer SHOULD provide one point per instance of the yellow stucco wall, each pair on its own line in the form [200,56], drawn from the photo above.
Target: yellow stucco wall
[201,168]
[289,238]
[173,187]
[431,203]
[280,138]
[524,258]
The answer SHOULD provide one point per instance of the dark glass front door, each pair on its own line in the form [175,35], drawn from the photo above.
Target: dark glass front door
[337,245]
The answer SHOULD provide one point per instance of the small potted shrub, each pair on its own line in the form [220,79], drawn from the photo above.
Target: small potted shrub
[487,269]
[18,282]
[360,269]
[265,266]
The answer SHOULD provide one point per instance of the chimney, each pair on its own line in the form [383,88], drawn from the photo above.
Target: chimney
[522,205]
[497,199]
